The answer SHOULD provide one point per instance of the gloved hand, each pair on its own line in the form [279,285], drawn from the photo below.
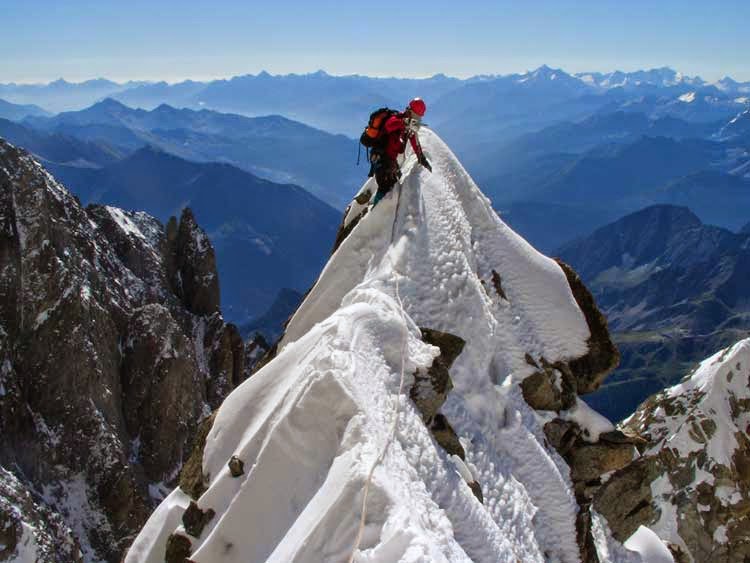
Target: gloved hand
[424,162]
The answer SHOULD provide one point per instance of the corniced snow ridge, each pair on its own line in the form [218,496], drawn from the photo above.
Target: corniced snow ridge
[310,424]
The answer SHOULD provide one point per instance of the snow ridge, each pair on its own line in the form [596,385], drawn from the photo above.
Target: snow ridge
[309,425]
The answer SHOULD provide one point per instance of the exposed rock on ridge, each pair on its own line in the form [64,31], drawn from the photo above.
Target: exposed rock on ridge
[556,387]
[691,484]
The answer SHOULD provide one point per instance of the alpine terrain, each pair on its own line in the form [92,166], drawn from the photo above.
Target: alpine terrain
[112,350]
[422,405]
[673,290]
[690,482]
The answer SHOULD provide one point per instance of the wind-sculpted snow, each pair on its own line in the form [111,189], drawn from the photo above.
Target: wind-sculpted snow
[309,425]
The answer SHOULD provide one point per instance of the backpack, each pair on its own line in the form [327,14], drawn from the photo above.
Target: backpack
[372,137]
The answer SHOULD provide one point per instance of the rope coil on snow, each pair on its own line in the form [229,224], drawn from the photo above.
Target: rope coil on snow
[397,409]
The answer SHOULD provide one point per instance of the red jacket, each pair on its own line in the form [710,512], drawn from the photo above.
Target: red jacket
[395,144]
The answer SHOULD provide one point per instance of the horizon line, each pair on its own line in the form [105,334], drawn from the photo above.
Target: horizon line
[123,82]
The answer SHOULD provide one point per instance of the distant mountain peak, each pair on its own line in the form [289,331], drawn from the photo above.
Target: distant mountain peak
[165,108]
[544,74]
[676,212]
[100,82]
[546,71]
[109,103]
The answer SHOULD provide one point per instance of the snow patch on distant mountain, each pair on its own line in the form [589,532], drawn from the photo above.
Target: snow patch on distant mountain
[687,98]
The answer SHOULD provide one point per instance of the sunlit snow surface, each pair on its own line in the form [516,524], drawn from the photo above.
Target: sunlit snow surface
[310,424]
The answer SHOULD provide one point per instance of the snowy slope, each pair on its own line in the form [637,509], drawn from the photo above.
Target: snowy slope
[312,423]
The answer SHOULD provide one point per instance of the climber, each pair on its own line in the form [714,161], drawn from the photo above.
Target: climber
[389,141]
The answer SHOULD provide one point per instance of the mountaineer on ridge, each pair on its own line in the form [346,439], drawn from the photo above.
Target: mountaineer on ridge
[385,136]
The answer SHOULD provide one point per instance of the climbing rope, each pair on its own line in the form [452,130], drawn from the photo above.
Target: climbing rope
[397,408]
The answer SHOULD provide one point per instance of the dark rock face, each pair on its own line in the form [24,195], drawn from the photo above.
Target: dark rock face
[225,356]
[625,499]
[192,479]
[590,370]
[255,349]
[430,390]
[589,462]
[108,364]
[161,387]
[192,265]
[178,549]
[691,481]
[194,519]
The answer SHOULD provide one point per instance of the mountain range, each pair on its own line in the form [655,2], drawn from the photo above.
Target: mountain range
[581,175]
[338,103]
[673,290]
[16,112]
[559,155]
[272,147]
[266,235]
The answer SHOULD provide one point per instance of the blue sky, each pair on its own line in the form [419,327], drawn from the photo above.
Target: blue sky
[163,39]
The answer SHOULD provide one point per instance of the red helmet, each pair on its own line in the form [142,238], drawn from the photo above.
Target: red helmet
[417,106]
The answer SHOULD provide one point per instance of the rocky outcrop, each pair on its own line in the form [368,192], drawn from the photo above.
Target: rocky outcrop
[430,391]
[112,350]
[691,483]
[551,388]
[590,464]
[556,387]
[192,479]
[29,530]
[255,348]
[602,357]
[192,265]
